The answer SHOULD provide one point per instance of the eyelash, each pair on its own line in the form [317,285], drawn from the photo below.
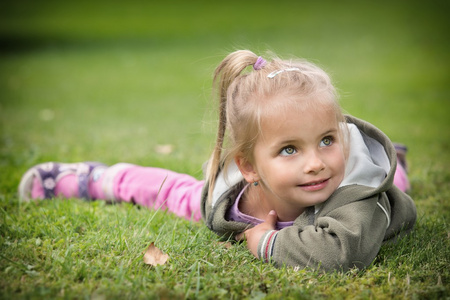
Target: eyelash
[288,154]
[331,140]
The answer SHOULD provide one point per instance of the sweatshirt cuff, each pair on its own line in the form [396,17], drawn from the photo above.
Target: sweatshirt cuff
[266,245]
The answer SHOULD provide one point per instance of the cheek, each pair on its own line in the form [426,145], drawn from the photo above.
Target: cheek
[274,173]
[282,175]
[340,164]
[335,159]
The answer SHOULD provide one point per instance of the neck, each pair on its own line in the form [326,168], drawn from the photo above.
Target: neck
[253,204]
[256,204]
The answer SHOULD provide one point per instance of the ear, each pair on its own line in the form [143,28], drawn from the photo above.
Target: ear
[247,169]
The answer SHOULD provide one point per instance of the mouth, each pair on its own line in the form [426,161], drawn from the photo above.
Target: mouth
[315,185]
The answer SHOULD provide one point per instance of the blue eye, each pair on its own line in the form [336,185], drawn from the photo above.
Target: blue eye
[288,151]
[326,141]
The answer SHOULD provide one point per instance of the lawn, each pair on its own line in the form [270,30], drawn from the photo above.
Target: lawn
[108,81]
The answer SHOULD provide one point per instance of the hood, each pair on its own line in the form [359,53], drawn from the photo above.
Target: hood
[367,163]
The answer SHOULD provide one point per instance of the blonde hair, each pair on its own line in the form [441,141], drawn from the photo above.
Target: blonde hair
[245,97]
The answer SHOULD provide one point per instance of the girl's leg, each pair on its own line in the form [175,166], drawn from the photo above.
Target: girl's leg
[401,173]
[151,187]
[401,178]
[155,188]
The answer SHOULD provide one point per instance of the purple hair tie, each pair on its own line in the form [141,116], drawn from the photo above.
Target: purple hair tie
[259,64]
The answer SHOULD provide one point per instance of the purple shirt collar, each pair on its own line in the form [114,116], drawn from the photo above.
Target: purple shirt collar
[234,214]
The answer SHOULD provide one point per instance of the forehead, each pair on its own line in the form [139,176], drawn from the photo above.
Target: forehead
[298,120]
[280,105]
[289,100]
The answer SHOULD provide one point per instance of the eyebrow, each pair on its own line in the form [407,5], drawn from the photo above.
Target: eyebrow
[330,131]
[292,141]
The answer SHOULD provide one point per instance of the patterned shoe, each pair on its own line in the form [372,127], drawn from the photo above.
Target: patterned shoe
[50,173]
[401,155]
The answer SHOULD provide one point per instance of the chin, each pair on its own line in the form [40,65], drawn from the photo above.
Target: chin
[320,200]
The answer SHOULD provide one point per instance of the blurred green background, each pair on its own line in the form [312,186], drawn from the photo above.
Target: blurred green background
[112,80]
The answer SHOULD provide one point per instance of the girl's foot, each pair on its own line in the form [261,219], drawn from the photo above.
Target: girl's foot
[401,155]
[51,179]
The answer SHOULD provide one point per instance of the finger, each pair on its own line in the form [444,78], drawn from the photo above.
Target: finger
[271,218]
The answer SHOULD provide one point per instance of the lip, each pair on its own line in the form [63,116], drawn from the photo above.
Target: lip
[315,185]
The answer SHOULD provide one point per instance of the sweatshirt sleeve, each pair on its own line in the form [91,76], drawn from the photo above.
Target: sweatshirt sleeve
[345,237]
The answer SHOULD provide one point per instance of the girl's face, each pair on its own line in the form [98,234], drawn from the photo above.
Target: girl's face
[299,160]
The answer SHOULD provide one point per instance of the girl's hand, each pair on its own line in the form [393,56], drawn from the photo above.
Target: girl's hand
[253,235]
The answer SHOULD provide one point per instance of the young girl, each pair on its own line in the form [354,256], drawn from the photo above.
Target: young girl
[303,184]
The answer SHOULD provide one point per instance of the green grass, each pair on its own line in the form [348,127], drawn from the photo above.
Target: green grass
[96,80]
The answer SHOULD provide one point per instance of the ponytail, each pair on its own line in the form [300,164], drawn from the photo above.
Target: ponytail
[229,70]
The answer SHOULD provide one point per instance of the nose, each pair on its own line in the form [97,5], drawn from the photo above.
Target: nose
[314,164]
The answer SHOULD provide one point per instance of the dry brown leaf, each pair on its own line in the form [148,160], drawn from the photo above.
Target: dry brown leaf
[153,256]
